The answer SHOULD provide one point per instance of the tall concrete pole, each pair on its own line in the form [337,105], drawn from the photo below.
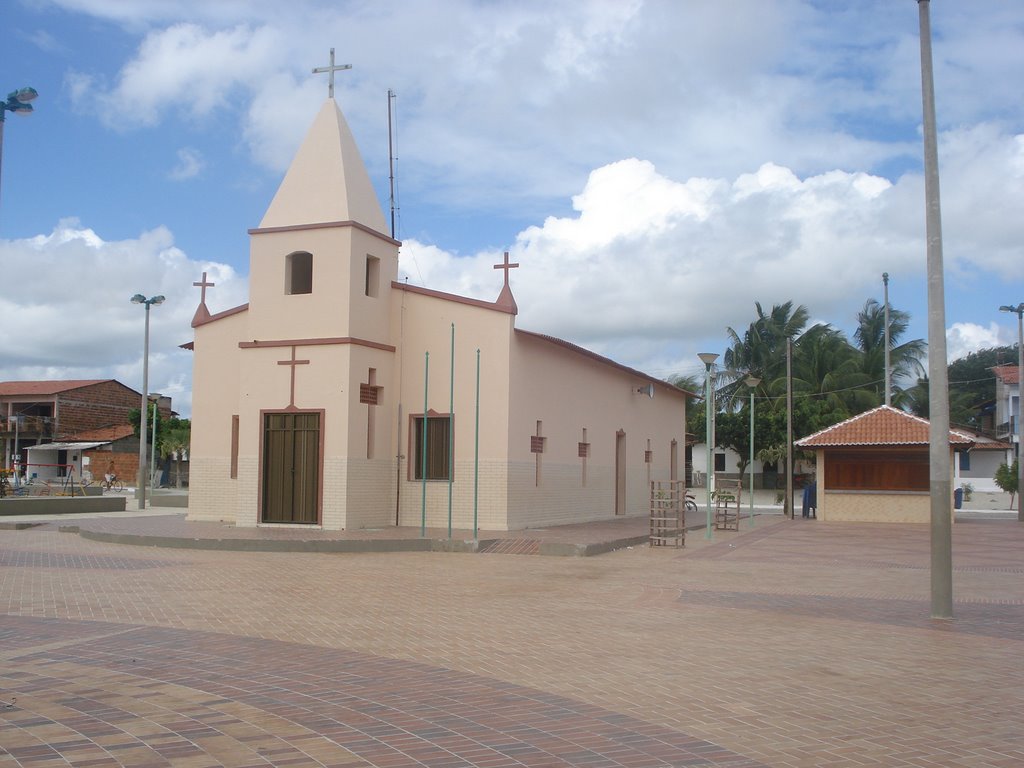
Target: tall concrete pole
[141,477]
[888,376]
[940,481]
[1020,410]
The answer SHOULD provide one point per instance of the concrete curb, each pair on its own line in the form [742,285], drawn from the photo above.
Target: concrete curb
[350,546]
[61,505]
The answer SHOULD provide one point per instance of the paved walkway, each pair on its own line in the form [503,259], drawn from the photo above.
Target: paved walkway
[796,643]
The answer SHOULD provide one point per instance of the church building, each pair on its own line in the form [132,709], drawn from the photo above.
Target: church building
[341,398]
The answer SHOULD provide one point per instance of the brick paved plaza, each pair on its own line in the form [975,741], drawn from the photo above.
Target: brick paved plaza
[795,643]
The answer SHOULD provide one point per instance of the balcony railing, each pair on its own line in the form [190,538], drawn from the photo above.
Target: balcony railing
[41,426]
[1008,428]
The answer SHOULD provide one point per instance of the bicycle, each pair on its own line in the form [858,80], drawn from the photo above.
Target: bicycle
[111,483]
[691,504]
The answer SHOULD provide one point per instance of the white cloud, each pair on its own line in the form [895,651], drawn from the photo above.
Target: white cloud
[190,164]
[964,338]
[71,315]
[536,95]
[184,67]
[700,159]
[648,264]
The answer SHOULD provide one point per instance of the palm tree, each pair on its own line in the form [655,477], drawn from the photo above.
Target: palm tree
[904,359]
[761,351]
[826,367]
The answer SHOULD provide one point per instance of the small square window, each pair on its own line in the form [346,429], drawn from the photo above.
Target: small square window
[372,275]
[298,273]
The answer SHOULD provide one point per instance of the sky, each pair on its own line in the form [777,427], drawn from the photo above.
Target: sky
[655,167]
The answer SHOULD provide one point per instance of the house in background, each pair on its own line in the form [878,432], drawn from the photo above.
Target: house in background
[875,467]
[35,412]
[71,423]
[978,465]
[1008,405]
[339,397]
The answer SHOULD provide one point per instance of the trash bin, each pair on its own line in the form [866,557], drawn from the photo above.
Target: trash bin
[958,498]
[810,506]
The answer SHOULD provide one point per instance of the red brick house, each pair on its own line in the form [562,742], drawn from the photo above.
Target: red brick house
[875,467]
[38,412]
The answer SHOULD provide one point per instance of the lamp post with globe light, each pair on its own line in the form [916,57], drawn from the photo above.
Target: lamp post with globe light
[752,382]
[138,298]
[708,358]
[1019,311]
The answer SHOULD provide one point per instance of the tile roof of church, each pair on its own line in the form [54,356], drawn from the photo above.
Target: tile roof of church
[884,425]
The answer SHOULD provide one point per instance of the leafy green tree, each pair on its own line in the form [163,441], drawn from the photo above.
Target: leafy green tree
[133,419]
[174,443]
[1007,477]
[972,383]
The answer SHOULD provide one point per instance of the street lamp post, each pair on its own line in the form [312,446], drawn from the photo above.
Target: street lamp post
[138,298]
[752,382]
[708,358]
[1019,311]
[18,102]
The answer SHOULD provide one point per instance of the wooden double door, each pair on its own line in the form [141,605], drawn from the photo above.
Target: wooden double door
[291,468]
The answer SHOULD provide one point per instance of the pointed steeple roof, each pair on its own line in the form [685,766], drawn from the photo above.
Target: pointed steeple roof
[327,180]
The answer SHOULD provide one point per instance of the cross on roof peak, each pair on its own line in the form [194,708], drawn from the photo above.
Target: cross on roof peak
[203,285]
[330,70]
[506,266]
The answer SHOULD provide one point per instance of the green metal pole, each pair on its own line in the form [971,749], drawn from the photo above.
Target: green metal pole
[451,434]
[476,450]
[708,438]
[751,457]
[423,450]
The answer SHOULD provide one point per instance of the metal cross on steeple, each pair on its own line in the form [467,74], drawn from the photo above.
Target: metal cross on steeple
[506,266]
[330,70]
[203,285]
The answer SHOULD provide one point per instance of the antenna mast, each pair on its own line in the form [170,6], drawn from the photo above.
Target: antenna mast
[391,164]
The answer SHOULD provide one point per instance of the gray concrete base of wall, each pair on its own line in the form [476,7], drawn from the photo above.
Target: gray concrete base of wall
[61,505]
[177,500]
[161,497]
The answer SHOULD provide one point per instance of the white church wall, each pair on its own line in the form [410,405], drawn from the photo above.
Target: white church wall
[212,491]
[427,327]
[567,392]
[320,314]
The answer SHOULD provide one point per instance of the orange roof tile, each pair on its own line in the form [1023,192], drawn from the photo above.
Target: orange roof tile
[12,388]
[884,425]
[1009,374]
[104,434]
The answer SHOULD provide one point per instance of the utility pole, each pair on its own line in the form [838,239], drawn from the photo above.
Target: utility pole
[888,376]
[940,481]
